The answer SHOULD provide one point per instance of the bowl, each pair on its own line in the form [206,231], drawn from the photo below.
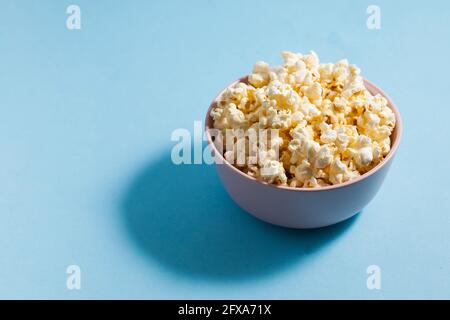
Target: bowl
[304,208]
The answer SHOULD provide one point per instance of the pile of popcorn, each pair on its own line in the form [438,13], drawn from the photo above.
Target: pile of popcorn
[331,129]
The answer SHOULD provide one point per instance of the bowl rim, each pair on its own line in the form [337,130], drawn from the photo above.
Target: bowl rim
[373,89]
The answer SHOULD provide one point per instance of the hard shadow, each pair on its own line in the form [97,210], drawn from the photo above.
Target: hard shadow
[182,217]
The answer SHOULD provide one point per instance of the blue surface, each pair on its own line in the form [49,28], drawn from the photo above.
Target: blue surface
[86,117]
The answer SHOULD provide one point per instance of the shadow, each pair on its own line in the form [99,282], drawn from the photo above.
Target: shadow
[182,217]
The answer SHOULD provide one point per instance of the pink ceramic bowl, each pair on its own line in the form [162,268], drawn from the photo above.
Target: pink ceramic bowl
[303,207]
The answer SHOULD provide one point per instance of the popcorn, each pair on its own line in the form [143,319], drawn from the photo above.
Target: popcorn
[235,117]
[331,129]
[273,170]
[324,157]
[328,135]
[314,91]
[303,171]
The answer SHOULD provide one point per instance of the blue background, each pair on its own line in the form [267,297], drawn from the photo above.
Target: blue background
[86,178]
